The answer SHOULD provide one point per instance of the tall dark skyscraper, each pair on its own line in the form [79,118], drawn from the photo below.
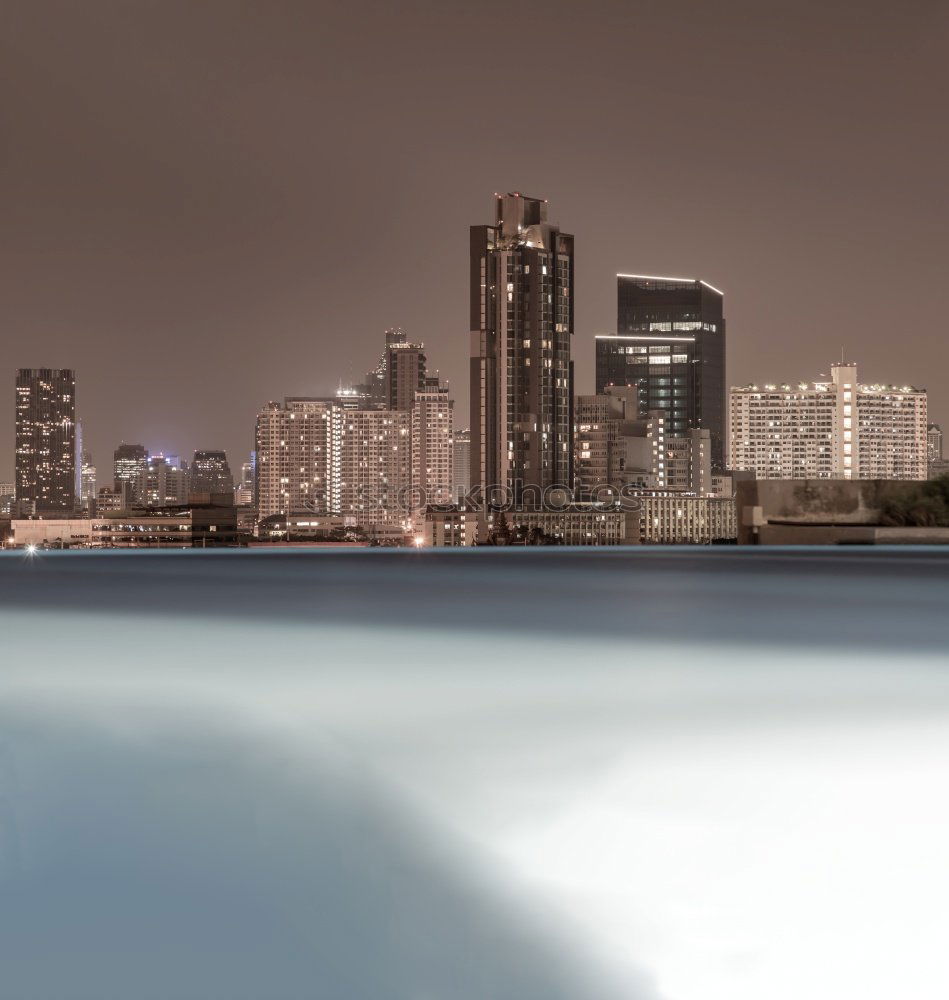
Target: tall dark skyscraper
[670,343]
[521,327]
[46,438]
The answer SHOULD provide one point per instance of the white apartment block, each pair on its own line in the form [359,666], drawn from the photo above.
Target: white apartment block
[432,447]
[298,457]
[376,466]
[833,429]
[363,465]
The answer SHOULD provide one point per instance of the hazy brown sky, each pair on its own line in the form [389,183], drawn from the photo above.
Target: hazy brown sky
[207,205]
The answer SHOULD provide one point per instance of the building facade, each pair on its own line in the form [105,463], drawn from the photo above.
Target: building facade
[522,282]
[461,461]
[46,439]
[834,429]
[677,519]
[376,468]
[432,448]
[210,472]
[129,471]
[298,457]
[670,342]
[614,446]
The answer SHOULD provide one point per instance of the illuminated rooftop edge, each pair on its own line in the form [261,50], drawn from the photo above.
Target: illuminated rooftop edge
[659,277]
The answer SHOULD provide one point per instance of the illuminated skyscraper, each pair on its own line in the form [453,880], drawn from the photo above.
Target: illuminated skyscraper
[129,471]
[521,326]
[46,438]
[670,343]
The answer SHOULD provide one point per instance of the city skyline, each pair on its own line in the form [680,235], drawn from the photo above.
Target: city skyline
[214,229]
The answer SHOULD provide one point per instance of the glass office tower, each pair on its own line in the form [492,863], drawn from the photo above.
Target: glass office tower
[670,343]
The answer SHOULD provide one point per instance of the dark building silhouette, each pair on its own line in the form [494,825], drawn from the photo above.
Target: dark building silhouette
[129,470]
[670,343]
[46,438]
[210,473]
[521,327]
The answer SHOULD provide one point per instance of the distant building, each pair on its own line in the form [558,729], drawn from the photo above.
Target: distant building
[298,444]
[108,498]
[46,439]
[461,463]
[210,473]
[129,470]
[87,481]
[7,494]
[206,521]
[375,468]
[677,519]
[521,293]
[166,481]
[54,532]
[613,446]
[432,453]
[574,524]
[833,429]
[670,343]
[933,443]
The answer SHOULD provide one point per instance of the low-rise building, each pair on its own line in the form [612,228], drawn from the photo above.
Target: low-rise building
[206,521]
[680,519]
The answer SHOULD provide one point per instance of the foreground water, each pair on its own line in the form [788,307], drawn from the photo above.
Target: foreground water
[688,774]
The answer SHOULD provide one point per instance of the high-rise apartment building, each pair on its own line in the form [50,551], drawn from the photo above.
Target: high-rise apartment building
[376,467]
[522,282]
[46,438]
[405,374]
[129,470]
[298,446]
[210,473]
[670,343]
[432,447]
[833,429]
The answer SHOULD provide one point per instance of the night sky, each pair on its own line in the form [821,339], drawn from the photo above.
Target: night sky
[206,205]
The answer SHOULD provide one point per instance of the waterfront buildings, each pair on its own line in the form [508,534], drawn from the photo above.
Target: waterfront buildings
[837,428]
[670,343]
[574,524]
[677,519]
[521,323]
[46,439]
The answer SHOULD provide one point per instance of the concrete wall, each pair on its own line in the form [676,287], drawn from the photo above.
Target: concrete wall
[823,512]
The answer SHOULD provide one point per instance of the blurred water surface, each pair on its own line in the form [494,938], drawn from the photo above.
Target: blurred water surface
[696,774]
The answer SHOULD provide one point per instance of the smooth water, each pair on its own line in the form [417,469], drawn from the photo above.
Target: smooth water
[714,774]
